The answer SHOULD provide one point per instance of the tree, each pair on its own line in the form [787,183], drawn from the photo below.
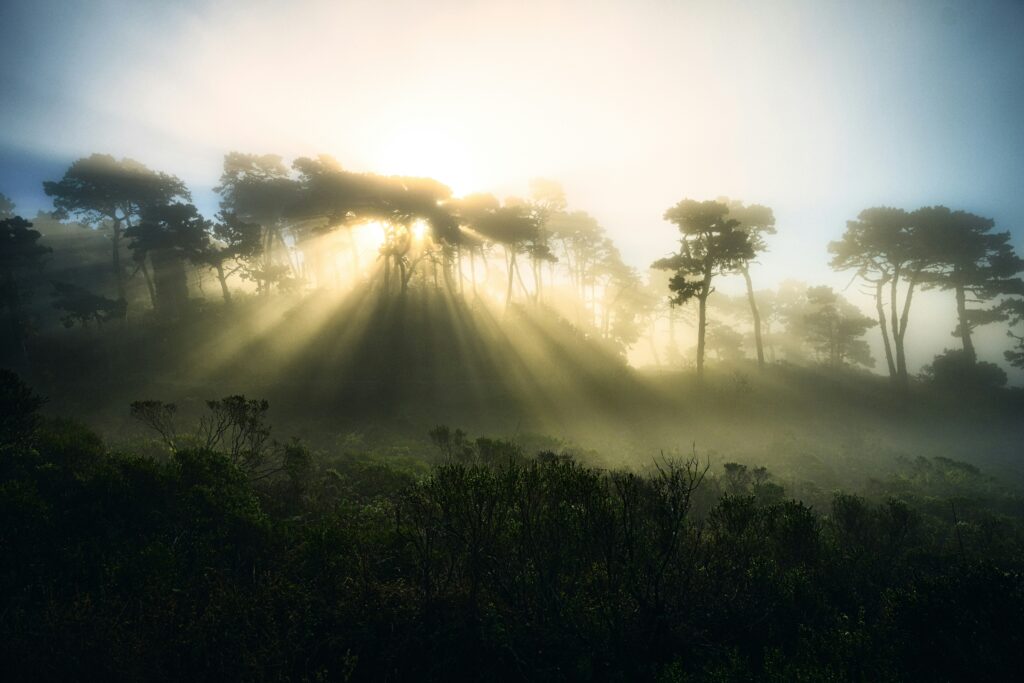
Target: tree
[884,247]
[757,221]
[231,245]
[259,189]
[956,371]
[834,328]
[513,227]
[968,258]
[20,253]
[471,214]
[711,244]
[102,190]
[82,306]
[401,203]
[168,236]
[1013,309]
[547,199]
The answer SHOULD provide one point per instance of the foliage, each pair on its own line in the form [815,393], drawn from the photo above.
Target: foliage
[712,243]
[494,564]
[956,371]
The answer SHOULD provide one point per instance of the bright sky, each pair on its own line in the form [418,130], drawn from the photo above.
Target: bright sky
[816,108]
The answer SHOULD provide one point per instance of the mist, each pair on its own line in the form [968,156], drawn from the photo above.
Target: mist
[545,341]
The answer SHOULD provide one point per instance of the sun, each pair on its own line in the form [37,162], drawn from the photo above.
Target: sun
[424,150]
[419,231]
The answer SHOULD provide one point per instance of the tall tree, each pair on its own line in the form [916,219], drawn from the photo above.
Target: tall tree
[757,221]
[513,227]
[100,190]
[547,199]
[258,188]
[20,254]
[168,236]
[471,213]
[968,258]
[884,248]
[1013,309]
[582,240]
[711,244]
[834,327]
[232,244]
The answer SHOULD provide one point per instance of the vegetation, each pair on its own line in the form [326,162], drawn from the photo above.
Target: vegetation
[832,524]
[199,561]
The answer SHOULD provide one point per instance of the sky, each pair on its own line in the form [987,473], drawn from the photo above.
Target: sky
[818,109]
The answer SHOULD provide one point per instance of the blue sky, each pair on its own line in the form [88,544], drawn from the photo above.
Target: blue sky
[818,109]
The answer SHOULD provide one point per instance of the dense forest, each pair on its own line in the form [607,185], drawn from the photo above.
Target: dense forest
[354,427]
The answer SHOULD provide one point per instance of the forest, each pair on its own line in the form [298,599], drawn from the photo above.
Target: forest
[677,341]
[474,477]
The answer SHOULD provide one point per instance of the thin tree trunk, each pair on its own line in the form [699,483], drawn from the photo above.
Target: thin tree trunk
[149,282]
[756,315]
[964,327]
[897,337]
[115,242]
[222,278]
[519,278]
[508,294]
[884,327]
[701,330]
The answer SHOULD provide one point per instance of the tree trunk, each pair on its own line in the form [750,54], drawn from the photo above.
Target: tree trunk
[901,332]
[897,336]
[149,282]
[702,303]
[884,327]
[170,284]
[964,327]
[223,279]
[756,316]
[115,242]
[508,295]
[519,278]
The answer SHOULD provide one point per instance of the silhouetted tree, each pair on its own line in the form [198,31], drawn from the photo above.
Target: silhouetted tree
[711,244]
[968,258]
[956,371]
[471,213]
[512,227]
[20,254]
[231,246]
[1013,310]
[885,249]
[167,236]
[547,198]
[101,190]
[834,328]
[757,221]
[582,240]
[259,189]
[82,306]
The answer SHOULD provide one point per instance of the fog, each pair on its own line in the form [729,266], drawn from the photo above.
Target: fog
[670,341]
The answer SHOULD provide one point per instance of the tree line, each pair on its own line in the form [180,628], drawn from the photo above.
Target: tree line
[286,229]
[893,251]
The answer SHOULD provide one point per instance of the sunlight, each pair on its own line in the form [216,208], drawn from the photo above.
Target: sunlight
[419,231]
[423,150]
[369,238]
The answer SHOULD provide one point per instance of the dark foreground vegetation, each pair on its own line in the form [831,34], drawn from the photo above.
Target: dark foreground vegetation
[225,555]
